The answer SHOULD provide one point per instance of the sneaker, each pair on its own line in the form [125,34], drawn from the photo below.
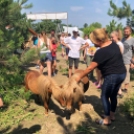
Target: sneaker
[98,86]
[119,96]
[53,74]
[96,83]
[37,66]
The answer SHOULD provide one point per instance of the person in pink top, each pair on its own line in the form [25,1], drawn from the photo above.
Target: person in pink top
[53,52]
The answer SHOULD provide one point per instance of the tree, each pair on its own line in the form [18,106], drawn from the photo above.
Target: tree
[91,27]
[13,32]
[85,25]
[113,26]
[122,12]
[44,25]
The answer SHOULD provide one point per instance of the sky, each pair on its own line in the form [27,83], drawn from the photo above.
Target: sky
[79,11]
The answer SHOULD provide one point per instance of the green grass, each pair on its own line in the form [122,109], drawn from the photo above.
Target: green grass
[15,113]
[59,49]
[85,130]
[63,70]
[129,106]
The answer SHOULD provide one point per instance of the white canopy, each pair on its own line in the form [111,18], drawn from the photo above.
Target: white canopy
[47,16]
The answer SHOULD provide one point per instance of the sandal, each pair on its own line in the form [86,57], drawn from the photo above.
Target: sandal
[119,95]
[98,86]
[100,122]
[103,116]
[124,90]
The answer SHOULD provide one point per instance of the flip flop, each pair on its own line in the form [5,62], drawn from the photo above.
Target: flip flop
[100,122]
[119,95]
[124,90]
[103,116]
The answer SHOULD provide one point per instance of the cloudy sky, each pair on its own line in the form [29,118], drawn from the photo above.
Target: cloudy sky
[79,11]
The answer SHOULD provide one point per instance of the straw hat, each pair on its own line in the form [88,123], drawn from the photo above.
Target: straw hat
[99,35]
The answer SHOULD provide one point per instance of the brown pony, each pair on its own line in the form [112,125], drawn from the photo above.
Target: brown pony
[74,91]
[45,87]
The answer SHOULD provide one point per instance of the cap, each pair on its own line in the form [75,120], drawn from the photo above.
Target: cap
[75,29]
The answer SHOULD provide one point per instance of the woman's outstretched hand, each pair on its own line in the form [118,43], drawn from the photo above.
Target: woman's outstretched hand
[78,78]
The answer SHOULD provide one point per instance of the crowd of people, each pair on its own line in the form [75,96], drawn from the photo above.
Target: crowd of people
[72,48]
[110,56]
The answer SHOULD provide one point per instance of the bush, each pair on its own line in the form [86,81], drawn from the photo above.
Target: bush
[14,94]
[129,106]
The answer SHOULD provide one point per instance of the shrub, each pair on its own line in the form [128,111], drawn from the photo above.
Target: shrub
[14,94]
[129,106]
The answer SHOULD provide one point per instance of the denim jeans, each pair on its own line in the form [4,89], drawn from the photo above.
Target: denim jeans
[110,90]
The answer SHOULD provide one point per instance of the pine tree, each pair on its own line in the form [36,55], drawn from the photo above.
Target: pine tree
[113,26]
[13,32]
[122,12]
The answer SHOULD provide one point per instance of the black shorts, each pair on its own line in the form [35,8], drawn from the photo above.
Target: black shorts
[67,51]
[73,60]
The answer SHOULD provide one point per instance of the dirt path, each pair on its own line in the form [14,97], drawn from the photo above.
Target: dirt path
[80,122]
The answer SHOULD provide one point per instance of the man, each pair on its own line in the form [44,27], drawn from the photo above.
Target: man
[74,44]
[53,34]
[128,42]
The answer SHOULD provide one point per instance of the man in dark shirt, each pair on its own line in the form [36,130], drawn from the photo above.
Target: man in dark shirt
[109,60]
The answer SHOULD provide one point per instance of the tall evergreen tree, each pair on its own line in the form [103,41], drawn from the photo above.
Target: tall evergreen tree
[13,32]
[113,26]
[122,12]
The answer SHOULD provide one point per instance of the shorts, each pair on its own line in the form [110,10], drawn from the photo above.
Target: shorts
[53,58]
[73,60]
[67,51]
[127,79]
[48,57]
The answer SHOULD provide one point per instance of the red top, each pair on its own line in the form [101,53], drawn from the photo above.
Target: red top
[54,49]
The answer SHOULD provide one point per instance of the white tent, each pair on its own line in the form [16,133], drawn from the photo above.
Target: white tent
[70,30]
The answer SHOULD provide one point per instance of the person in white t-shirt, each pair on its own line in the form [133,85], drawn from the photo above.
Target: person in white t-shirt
[74,43]
[116,36]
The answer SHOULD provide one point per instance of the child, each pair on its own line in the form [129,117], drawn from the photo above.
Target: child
[53,52]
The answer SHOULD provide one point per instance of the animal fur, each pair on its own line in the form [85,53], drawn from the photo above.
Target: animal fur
[74,91]
[44,86]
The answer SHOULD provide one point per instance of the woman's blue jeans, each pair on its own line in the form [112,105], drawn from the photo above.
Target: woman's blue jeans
[110,90]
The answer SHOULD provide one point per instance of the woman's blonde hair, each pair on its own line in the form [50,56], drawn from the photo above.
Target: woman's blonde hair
[118,33]
[99,35]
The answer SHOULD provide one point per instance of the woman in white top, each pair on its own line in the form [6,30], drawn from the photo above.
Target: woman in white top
[116,36]
[45,52]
